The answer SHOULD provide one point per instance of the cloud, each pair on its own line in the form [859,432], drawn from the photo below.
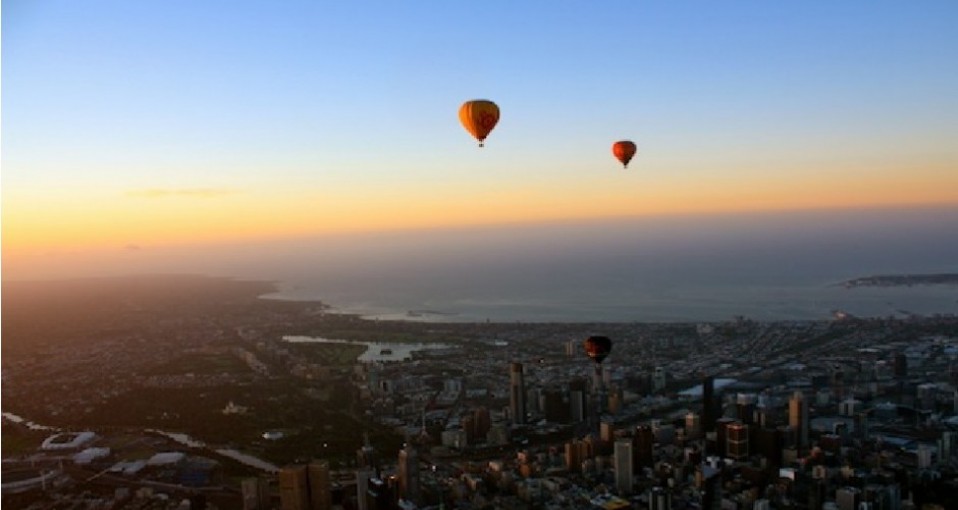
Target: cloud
[180,192]
[132,247]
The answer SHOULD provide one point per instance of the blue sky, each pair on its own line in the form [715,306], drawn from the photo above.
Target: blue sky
[323,101]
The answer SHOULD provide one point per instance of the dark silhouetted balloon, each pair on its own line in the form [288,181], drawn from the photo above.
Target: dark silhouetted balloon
[597,347]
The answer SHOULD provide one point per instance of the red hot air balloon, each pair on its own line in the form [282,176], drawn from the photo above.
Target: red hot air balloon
[623,150]
[597,348]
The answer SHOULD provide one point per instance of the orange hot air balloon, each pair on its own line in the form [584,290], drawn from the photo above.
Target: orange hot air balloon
[623,151]
[479,116]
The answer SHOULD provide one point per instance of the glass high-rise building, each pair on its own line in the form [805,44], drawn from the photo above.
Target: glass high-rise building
[517,394]
[623,466]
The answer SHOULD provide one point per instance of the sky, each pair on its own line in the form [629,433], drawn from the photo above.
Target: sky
[131,126]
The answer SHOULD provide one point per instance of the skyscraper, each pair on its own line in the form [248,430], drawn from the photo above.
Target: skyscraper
[623,466]
[483,422]
[362,487]
[708,404]
[798,418]
[294,488]
[409,474]
[901,365]
[572,459]
[255,493]
[379,496]
[468,422]
[577,400]
[643,441]
[658,379]
[366,456]
[517,401]
[736,442]
[693,426]
[660,499]
[721,436]
[848,498]
[320,488]
[606,431]
[576,452]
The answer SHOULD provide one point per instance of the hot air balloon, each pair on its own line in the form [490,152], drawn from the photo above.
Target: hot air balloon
[479,116]
[597,348]
[623,150]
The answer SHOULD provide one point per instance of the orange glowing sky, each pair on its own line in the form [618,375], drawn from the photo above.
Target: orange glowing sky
[163,125]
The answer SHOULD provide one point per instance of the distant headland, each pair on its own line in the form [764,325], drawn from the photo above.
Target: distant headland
[902,280]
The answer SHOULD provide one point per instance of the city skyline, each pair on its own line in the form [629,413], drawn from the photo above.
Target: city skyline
[856,408]
[192,125]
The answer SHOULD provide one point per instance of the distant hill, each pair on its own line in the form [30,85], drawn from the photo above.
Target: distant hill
[900,280]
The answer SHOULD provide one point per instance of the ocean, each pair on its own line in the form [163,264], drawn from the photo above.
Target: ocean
[777,266]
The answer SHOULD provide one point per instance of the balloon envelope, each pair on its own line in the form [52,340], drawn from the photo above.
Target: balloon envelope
[597,347]
[479,116]
[623,150]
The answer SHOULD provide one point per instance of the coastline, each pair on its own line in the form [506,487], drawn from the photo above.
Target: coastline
[901,280]
[680,305]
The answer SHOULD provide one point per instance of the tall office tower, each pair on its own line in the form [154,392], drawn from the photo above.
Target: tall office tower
[517,400]
[366,456]
[409,474]
[708,404]
[798,418]
[891,499]
[721,436]
[572,348]
[320,487]
[664,433]
[901,366]
[623,466]
[658,379]
[362,487]
[556,405]
[577,400]
[660,499]
[848,498]
[468,422]
[768,444]
[379,496]
[816,492]
[615,400]
[745,405]
[294,488]
[924,456]
[572,459]
[256,493]
[927,395]
[861,425]
[644,442]
[532,400]
[483,422]
[736,441]
[946,444]
[693,426]
[606,431]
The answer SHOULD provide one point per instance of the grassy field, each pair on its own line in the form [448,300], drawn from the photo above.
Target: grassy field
[328,354]
[19,441]
[202,364]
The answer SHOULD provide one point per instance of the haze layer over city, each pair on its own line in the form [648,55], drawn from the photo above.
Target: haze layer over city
[382,255]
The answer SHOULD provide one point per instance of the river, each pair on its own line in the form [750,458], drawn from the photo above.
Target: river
[375,351]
